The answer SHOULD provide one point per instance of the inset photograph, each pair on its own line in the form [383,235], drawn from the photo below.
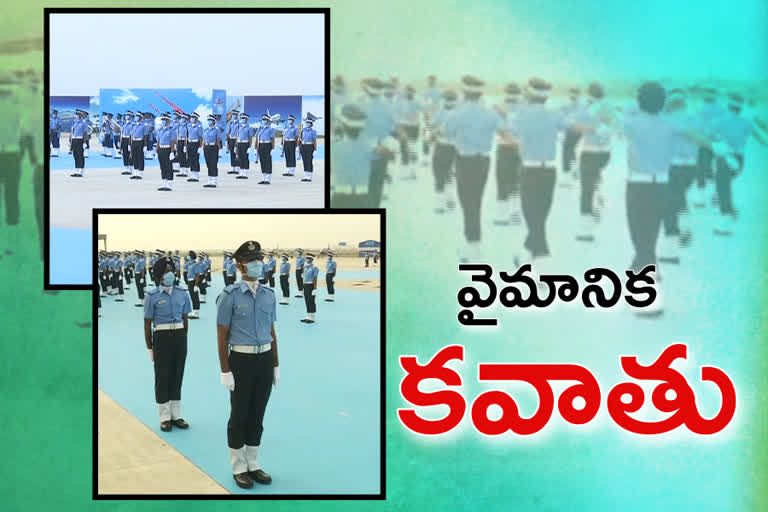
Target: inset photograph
[239,353]
[209,121]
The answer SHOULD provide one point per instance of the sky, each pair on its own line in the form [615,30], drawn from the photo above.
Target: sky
[236,67]
[229,231]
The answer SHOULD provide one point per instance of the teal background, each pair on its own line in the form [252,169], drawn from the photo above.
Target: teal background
[46,357]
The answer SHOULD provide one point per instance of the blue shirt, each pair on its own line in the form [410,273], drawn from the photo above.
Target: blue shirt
[266,134]
[193,270]
[211,135]
[249,316]
[165,308]
[119,264]
[651,141]
[126,129]
[352,161]
[55,123]
[270,264]
[439,126]
[330,268]
[79,128]
[165,136]
[473,125]
[308,135]
[591,116]
[290,133]
[244,133]
[310,273]
[181,129]
[230,267]
[537,127]
[409,111]
[140,264]
[300,262]
[380,120]
[685,148]
[139,130]
[194,132]
[285,268]
[734,130]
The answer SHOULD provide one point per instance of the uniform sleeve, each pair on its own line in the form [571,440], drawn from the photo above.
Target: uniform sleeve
[149,311]
[274,308]
[224,309]
[187,308]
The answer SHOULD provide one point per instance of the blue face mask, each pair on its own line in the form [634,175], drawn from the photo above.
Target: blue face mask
[169,278]
[210,123]
[254,268]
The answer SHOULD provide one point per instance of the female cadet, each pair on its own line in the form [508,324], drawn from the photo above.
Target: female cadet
[308,145]
[166,141]
[194,137]
[270,269]
[285,271]
[244,139]
[79,134]
[299,271]
[232,130]
[330,274]
[141,276]
[167,307]
[310,288]
[181,144]
[125,143]
[289,146]
[193,278]
[246,315]
[139,133]
[212,141]
[264,147]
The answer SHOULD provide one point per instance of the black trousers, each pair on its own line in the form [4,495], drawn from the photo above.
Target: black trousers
[242,154]
[704,166]
[231,149]
[407,149]
[646,204]
[181,154]
[54,136]
[271,277]
[299,279]
[307,152]
[309,299]
[344,200]
[137,150]
[185,277]
[507,171]
[471,177]
[442,165]
[141,283]
[192,156]
[169,349]
[569,148]
[376,181]
[592,165]
[285,286]
[193,295]
[166,167]
[265,156]
[329,282]
[77,153]
[10,179]
[128,275]
[536,188]
[117,281]
[289,148]
[253,375]
[680,178]
[203,285]
[211,154]
[723,179]
[125,147]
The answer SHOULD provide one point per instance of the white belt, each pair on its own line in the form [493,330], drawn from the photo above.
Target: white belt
[193,141]
[466,155]
[265,142]
[211,144]
[242,141]
[684,161]
[164,146]
[308,143]
[648,178]
[252,349]
[77,138]
[588,148]
[169,327]
[289,140]
[539,163]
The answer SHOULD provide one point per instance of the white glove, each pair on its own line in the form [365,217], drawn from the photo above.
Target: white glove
[173,156]
[151,355]
[314,292]
[199,149]
[276,377]
[228,380]
[84,145]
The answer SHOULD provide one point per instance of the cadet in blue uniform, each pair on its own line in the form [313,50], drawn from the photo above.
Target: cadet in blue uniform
[193,280]
[290,133]
[408,126]
[212,141]
[181,145]
[141,276]
[117,127]
[232,131]
[194,138]
[77,142]
[202,268]
[444,155]
[117,279]
[380,126]
[87,137]
[308,145]
[222,131]
[270,267]
[244,140]
[508,163]
[54,129]
[231,270]
[432,98]
[474,126]
[246,315]
[265,145]
[128,269]
[106,134]
[125,142]
[139,135]
[572,137]
[710,111]
[166,309]
[285,272]
[330,275]
[149,122]
[166,145]
[300,261]
[309,277]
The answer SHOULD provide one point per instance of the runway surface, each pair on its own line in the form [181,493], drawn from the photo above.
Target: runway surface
[321,429]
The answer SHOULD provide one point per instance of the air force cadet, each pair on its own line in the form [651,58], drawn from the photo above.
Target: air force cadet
[265,145]
[290,133]
[139,136]
[194,138]
[308,145]
[300,261]
[125,143]
[309,278]
[141,276]
[244,140]
[80,132]
[285,272]
[166,145]
[193,280]
[246,315]
[54,128]
[166,308]
[330,275]
[232,132]
[212,140]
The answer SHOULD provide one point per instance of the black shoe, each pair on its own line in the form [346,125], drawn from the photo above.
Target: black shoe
[328,300]
[231,172]
[286,174]
[309,322]
[162,188]
[242,178]
[243,480]
[126,173]
[139,305]
[208,186]
[304,320]
[260,477]
[180,423]
[138,177]
[585,238]
[75,175]
[501,223]
[165,426]
[262,183]
[193,180]
[304,179]
[675,260]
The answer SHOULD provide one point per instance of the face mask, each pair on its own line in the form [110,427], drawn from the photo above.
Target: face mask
[210,123]
[242,122]
[169,278]
[254,268]
[165,123]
